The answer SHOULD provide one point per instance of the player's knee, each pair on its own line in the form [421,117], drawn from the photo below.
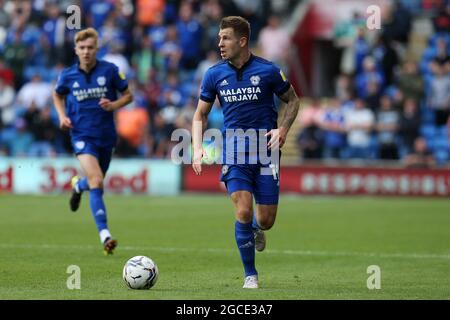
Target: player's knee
[266,223]
[95,181]
[244,215]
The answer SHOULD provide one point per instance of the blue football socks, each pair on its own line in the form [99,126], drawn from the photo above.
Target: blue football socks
[98,208]
[255,225]
[246,245]
[83,184]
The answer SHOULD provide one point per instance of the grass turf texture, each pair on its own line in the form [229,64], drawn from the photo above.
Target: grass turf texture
[319,248]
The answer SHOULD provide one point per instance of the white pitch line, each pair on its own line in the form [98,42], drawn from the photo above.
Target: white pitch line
[216,250]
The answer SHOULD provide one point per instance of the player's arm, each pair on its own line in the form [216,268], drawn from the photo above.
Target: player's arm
[59,102]
[124,99]
[199,124]
[292,107]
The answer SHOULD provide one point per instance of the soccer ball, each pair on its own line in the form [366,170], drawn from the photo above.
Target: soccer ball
[140,272]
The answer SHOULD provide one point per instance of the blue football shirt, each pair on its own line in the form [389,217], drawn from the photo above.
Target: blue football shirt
[246,96]
[83,92]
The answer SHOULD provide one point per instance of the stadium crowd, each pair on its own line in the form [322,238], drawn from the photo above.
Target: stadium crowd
[162,46]
[384,103]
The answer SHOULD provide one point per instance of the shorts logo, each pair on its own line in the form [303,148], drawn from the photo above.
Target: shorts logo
[224,169]
[122,76]
[255,80]
[101,81]
[80,145]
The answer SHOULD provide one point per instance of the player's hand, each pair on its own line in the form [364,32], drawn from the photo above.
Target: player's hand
[199,155]
[65,123]
[277,138]
[107,104]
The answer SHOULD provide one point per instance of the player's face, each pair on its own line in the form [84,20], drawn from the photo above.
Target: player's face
[229,44]
[86,51]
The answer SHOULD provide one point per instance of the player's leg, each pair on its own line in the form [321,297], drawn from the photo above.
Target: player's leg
[267,190]
[243,203]
[95,176]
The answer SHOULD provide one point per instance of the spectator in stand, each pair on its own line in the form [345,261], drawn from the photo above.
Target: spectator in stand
[35,91]
[441,21]
[157,31]
[161,132]
[397,26]
[310,138]
[359,124]
[6,73]
[5,19]
[148,10]
[442,56]
[210,14]
[172,93]
[409,126]
[421,157]
[372,99]
[115,55]
[349,35]
[386,58]
[190,34]
[44,132]
[332,124]
[171,50]
[54,30]
[146,60]
[15,55]
[368,75]
[7,95]
[132,129]
[387,127]
[343,87]
[438,98]
[97,12]
[20,141]
[410,81]
[274,42]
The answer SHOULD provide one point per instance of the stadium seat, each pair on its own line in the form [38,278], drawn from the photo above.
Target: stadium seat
[428,131]
[440,143]
[441,156]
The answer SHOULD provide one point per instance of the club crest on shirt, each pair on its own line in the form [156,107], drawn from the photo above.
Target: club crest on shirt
[101,81]
[79,145]
[255,80]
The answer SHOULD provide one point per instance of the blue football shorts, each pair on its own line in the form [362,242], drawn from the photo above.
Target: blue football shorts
[261,180]
[86,146]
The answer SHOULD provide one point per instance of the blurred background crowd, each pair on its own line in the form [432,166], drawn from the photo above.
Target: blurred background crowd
[385,103]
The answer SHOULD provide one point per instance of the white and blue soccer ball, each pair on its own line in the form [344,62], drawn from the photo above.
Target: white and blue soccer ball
[140,272]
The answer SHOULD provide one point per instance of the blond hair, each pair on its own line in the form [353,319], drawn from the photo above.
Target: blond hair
[85,34]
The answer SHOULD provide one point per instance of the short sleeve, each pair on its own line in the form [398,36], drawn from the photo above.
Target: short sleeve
[207,90]
[280,83]
[62,87]
[119,79]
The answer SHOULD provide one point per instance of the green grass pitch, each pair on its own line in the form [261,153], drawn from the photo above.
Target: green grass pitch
[319,248]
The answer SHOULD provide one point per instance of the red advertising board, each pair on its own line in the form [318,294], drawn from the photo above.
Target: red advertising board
[322,180]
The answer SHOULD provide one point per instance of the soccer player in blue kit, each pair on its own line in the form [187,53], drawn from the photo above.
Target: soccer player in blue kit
[85,98]
[245,86]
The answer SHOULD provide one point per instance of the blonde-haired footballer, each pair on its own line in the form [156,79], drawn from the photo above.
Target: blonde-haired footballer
[85,98]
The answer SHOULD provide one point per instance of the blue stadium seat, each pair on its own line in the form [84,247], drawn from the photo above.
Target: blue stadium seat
[428,131]
[441,156]
[440,143]
[427,116]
